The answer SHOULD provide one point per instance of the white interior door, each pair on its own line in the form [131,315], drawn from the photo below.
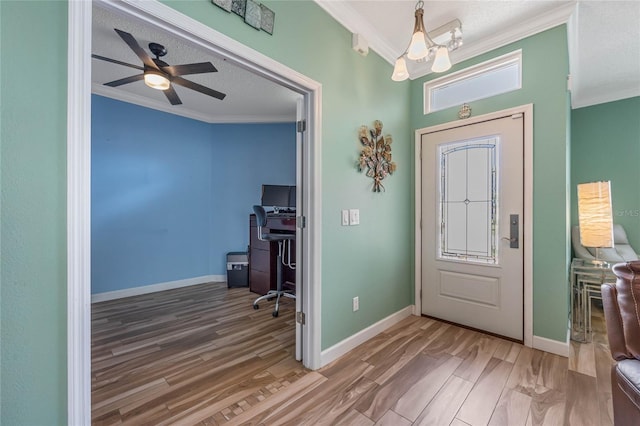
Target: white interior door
[472,222]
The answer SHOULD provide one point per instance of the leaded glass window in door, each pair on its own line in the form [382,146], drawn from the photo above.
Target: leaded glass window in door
[468,200]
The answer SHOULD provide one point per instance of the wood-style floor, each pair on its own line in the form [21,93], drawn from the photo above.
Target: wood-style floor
[202,356]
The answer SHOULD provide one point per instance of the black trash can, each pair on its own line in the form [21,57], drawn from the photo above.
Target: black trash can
[237,269]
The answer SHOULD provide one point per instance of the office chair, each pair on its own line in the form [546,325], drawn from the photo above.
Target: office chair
[261,220]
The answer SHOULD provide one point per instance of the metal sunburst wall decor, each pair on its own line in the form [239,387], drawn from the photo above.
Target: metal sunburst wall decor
[375,155]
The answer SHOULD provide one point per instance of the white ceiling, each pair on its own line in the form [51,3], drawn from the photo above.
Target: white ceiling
[249,98]
[604,36]
[604,51]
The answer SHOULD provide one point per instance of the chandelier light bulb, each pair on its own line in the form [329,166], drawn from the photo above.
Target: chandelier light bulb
[442,62]
[428,46]
[418,47]
[400,72]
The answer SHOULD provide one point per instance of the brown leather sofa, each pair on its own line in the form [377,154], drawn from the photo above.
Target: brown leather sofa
[621,302]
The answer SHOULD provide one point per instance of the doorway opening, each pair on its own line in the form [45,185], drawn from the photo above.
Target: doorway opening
[79,172]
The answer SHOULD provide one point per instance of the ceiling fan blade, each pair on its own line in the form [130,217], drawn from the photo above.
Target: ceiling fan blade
[197,87]
[198,68]
[133,44]
[172,96]
[115,61]
[125,80]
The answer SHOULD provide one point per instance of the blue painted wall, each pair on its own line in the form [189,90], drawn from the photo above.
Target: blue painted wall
[171,196]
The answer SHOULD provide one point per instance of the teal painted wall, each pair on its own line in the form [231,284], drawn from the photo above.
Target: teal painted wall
[545,69]
[373,260]
[33,210]
[606,146]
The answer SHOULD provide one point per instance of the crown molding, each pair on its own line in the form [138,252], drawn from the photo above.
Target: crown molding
[108,92]
[540,23]
[342,12]
[151,12]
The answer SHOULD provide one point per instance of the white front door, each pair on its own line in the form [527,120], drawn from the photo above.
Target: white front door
[472,222]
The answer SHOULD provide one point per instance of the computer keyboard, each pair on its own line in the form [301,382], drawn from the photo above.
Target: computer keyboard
[281,214]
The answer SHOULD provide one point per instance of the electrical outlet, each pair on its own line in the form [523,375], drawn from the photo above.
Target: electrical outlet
[345,217]
[354,217]
[356,303]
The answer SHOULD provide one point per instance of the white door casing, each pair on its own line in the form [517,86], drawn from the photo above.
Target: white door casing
[79,173]
[487,292]
[300,231]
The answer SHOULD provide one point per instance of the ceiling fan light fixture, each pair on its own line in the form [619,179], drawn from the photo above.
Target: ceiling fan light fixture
[423,48]
[156,80]
[159,75]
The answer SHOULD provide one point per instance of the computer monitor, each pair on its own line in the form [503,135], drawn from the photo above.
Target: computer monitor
[292,197]
[276,196]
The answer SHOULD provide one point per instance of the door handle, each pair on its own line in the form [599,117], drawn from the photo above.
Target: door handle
[514,231]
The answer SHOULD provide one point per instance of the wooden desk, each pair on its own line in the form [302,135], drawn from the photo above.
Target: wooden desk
[263,254]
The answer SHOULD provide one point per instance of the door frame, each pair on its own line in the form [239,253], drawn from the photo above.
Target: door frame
[527,111]
[79,177]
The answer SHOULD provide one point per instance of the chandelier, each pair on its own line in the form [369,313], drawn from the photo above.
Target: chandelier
[423,48]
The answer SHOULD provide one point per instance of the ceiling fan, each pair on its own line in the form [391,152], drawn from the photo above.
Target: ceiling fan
[159,75]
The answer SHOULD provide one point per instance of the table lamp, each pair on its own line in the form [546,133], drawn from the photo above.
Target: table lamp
[595,217]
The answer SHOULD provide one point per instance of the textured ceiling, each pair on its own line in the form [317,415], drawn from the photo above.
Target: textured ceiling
[249,98]
[604,35]
[604,51]
[606,54]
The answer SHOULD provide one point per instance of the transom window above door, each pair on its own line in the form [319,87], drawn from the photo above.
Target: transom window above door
[490,78]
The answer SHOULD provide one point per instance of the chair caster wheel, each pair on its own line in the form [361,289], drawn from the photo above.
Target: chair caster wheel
[275,314]
[255,306]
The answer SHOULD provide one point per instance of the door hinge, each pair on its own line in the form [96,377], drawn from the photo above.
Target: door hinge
[301,222]
[300,318]
[301,126]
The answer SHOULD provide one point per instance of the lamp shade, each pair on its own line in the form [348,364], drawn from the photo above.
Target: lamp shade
[400,72]
[418,47]
[426,46]
[594,214]
[441,63]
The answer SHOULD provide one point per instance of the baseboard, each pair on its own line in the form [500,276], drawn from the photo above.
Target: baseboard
[341,348]
[136,291]
[552,346]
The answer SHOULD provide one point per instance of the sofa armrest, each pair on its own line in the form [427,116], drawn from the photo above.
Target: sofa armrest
[628,299]
[613,320]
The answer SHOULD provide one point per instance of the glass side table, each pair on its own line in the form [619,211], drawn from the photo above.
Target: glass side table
[586,279]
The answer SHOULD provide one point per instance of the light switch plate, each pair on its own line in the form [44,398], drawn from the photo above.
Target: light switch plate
[354,217]
[345,217]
